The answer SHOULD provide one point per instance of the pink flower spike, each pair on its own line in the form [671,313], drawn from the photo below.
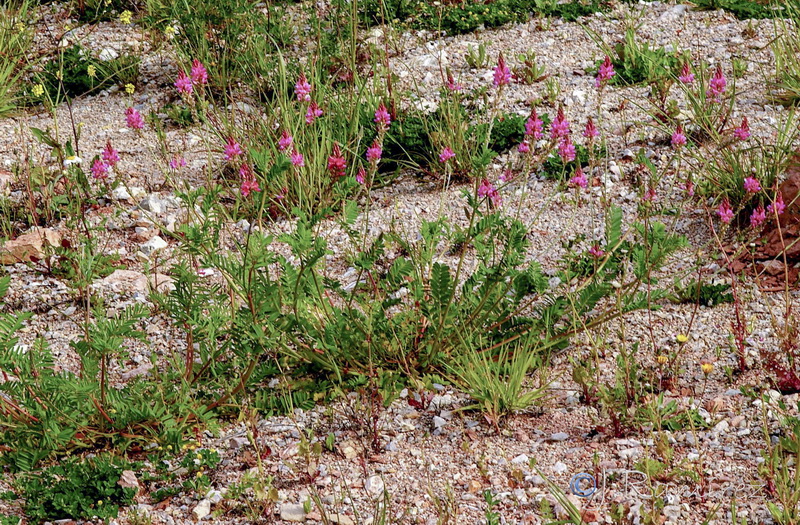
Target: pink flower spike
[502,75]
[303,89]
[99,169]
[566,150]
[134,119]
[757,217]
[110,155]
[184,83]
[285,142]
[560,126]
[743,131]
[778,206]
[678,138]
[686,77]
[382,118]
[177,162]
[751,185]
[524,147]
[374,152]
[452,85]
[297,159]
[725,212]
[716,86]
[313,113]
[596,252]
[446,154]
[199,72]
[590,132]
[689,188]
[579,179]
[361,176]
[649,195]
[232,149]
[249,182]
[486,189]
[605,72]
[336,162]
[533,126]
[506,176]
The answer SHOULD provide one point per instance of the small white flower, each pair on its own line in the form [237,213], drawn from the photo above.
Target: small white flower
[72,159]
[205,272]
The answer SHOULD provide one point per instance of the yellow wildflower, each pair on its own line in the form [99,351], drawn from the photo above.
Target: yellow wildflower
[91,71]
[199,474]
[662,359]
[38,90]
[19,27]
[129,89]
[169,31]
[682,338]
[126,17]
[707,368]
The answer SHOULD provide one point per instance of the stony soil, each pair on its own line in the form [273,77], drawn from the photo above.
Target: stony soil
[439,458]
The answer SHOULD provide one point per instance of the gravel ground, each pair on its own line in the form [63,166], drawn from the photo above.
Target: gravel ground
[440,459]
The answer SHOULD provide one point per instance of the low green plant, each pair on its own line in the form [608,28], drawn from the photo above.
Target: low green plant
[782,476]
[706,294]
[637,63]
[16,38]
[552,90]
[742,9]
[724,166]
[496,381]
[76,489]
[476,57]
[235,39]
[464,17]
[659,471]
[785,88]
[492,517]
[554,166]
[73,72]
[100,10]
[529,71]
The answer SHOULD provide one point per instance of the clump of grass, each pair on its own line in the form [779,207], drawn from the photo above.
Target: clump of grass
[16,37]
[74,73]
[463,17]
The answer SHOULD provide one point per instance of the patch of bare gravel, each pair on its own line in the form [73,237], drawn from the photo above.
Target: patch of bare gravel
[438,456]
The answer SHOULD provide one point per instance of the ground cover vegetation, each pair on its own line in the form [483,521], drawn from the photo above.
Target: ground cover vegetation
[282,289]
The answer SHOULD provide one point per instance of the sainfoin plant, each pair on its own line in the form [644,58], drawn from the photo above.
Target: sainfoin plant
[298,273]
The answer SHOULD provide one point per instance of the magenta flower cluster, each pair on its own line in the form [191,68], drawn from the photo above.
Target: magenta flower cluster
[604,73]
[107,160]
[302,89]
[487,190]
[579,179]
[717,84]
[336,163]
[446,154]
[502,75]
[134,119]
[678,138]
[198,76]
[249,183]
[686,76]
